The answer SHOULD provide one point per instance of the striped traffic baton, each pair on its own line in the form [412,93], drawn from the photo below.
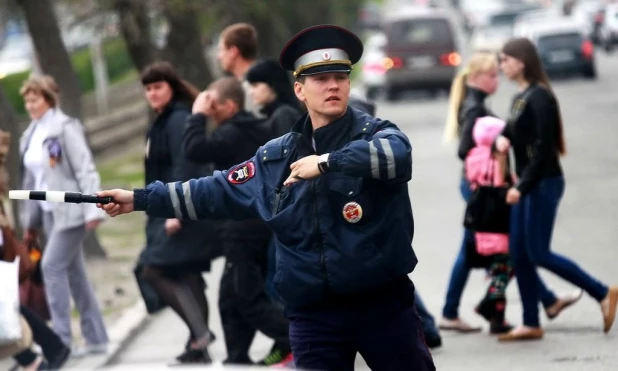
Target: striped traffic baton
[58,196]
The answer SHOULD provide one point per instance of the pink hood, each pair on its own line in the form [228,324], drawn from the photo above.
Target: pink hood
[486,129]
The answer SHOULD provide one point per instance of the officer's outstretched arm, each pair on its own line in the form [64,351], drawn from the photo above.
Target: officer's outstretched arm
[231,194]
[387,156]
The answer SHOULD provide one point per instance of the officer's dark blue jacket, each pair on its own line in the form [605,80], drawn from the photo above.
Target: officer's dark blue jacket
[319,253]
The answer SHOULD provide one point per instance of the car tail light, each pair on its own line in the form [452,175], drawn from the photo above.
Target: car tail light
[587,49]
[392,62]
[384,65]
[450,59]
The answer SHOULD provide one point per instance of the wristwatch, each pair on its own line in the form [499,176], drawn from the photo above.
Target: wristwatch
[323,163]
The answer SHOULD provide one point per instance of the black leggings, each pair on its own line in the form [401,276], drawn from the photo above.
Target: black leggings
[43,335]
[184,292]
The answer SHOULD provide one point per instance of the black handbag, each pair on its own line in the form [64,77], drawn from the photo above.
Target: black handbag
[487,210]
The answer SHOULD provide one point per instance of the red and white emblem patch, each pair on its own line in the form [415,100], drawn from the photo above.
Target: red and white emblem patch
[352,212]
[326,56]
[241,173]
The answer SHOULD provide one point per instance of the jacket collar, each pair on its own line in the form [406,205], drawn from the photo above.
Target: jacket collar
[476,94]
[54,129]
[356,120]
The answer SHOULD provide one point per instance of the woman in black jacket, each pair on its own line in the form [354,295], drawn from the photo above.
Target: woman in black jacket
[466,104]
[536,134]
[271,88]
[177,252]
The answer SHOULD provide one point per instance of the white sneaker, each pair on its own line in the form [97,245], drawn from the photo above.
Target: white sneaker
[88,350]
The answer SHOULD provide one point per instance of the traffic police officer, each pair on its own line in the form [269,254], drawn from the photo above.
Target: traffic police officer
[335,193]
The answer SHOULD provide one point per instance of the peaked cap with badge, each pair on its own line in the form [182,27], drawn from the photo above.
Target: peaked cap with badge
[321,49]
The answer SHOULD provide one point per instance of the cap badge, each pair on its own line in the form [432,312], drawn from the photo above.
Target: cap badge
[326,56]
[352,212]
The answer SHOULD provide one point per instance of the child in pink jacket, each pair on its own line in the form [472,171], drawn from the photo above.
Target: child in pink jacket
[482,167]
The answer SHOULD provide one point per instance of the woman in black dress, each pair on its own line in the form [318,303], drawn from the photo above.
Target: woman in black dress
[177,252]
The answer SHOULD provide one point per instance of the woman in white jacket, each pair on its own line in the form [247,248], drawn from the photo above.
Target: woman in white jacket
[55,156]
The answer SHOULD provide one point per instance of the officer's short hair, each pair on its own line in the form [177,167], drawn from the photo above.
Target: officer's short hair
[244,37]
[229,88]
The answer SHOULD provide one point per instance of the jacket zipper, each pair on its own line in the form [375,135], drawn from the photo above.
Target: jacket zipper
[316,221]
[318,234]
[529,151]
[276,203]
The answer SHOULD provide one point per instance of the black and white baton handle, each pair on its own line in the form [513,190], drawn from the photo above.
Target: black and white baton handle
[59,196]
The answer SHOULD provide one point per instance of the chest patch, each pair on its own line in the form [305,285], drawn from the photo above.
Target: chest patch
[241,173]
[352,212]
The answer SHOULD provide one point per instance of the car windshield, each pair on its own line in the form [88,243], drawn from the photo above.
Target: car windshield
[419,31]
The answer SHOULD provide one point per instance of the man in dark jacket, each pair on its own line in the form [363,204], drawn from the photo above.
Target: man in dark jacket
[335,193]
[243,302]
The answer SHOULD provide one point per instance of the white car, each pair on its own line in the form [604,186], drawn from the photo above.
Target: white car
[17,55]
[374,65]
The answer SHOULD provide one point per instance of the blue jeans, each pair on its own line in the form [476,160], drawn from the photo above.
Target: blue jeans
[427,321]
[532,226]
[461,270]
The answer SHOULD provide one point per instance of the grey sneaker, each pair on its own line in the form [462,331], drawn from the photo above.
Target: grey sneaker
[88,350]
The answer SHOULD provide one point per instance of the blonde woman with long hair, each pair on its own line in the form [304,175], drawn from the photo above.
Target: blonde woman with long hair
[469,90]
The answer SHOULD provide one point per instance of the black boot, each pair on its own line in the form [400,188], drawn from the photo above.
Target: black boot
[485,309]
[196,355]
[493,312]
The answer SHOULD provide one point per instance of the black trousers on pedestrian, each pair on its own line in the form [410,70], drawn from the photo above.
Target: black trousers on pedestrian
[43,335]
[244,304]
[383,326]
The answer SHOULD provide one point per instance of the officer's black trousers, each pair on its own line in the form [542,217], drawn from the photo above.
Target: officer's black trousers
[383,327]
[244,305]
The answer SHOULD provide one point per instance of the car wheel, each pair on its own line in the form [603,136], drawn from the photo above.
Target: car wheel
[590,72]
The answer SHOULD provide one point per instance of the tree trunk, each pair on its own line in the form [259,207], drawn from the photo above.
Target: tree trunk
[135,29]
[8,122]
[51,52]
[184,48]
[55,61]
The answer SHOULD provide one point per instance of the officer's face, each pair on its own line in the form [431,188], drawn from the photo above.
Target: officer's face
[326,94]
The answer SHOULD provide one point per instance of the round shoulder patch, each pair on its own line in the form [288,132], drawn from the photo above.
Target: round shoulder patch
[241,173]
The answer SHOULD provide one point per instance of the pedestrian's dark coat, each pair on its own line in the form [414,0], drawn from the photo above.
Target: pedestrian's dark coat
[192,246]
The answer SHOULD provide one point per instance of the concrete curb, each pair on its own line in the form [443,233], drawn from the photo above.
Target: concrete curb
[127,327]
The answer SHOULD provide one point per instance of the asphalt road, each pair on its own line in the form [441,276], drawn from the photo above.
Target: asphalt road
[585,232]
